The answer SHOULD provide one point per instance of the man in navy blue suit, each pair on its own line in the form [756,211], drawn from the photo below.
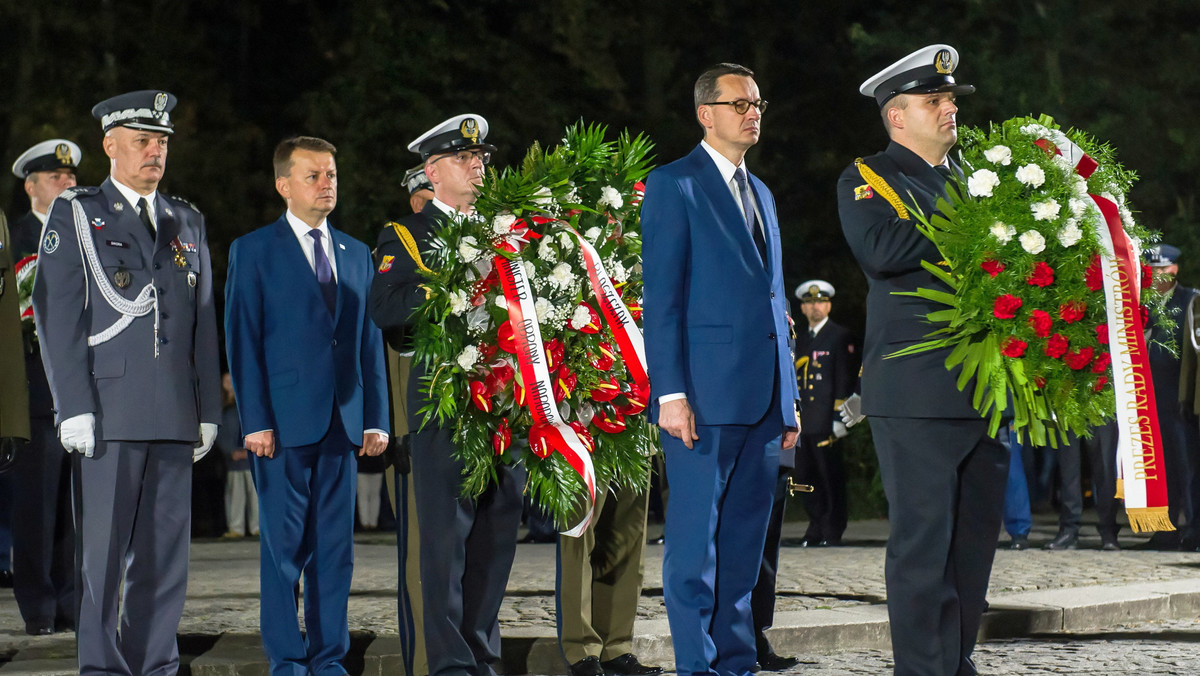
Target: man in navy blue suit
[308,373]
[721,371]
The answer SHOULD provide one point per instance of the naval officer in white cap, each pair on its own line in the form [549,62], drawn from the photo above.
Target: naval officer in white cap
[943,475]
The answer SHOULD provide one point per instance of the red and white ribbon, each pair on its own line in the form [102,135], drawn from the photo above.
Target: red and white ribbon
[620,321]
[531,358]
[1142,479]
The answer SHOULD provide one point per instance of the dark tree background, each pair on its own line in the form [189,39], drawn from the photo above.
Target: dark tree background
[370,75]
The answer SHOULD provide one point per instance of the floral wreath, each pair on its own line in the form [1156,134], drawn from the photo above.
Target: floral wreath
[531,329]
[1023,245]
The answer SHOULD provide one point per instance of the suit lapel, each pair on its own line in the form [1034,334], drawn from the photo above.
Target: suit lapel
[167,226]
[297,263]
[341,264]
[124,222]
[727,214]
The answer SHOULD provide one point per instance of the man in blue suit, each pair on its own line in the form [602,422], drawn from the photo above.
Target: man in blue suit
[721,373]
[308,373]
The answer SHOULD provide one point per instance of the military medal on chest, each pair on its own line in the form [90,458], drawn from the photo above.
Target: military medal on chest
[122,278]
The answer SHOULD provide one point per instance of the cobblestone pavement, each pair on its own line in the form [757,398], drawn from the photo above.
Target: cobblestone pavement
[1146,649]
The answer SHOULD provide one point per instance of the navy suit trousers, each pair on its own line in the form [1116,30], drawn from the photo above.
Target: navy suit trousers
[306,525]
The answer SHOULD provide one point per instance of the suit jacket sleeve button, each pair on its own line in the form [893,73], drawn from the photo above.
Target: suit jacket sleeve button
[335,342]
[770,336]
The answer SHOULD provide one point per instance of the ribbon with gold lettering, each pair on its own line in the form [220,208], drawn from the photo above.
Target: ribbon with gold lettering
[1141,478]
[548,425]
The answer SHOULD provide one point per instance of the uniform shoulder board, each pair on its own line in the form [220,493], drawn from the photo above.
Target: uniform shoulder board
[185,202]
[876,184]
[71,193]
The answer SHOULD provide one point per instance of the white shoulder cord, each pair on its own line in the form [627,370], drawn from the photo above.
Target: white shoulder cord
[141,306]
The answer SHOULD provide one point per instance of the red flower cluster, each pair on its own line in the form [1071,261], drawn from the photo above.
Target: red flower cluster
[1056,346]
[993,268]
[1013,347]
[1006,306]
[1102,334]
[1103,361]
[1094,277]
[1040,322]
[1072,311]
[1078,359]
[1042,275]
[1147,276]
[1100,383]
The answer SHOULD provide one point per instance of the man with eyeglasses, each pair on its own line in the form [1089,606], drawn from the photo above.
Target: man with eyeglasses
[943,475]
[721,373]
[466,545]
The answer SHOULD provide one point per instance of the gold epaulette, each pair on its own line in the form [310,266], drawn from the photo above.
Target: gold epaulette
[410,245]
[880,186]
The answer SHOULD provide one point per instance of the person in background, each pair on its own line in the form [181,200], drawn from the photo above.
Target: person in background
[241,500]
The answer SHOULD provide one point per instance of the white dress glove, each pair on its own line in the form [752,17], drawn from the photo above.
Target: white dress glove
[839,429]
[208,434]
[851,410]
[78,434]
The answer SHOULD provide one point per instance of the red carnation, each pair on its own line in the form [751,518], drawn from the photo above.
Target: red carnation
[1006,306]
[993,268]
[1042,275]
[1013,347]
[1147,276]
[1094,277]
[1103,360]
[1078,359]
[1039,382]
[1100,383]
[1056,346]
[1102,334]
[1040,322]
[1072,311]
[1145,316]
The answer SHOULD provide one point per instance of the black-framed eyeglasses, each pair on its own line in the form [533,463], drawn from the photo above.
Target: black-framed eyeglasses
[465,156]
[740,106]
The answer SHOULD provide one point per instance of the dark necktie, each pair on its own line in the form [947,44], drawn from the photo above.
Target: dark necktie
[812,333]
[751,217]
[144,214]
[324,272]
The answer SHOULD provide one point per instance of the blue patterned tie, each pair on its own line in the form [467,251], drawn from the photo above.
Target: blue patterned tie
[751,217]
[324,272]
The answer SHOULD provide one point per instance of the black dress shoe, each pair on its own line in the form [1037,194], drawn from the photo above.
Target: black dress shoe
[773,662]
[1110,545]
[39,628]
[1063,541]
[1019,543]
[813,542]
[628,665]
[588,666]
[6,579]
[656,541]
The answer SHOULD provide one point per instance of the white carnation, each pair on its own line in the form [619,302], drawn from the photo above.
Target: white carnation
[467,249]
[459,302]
[572,197]
[1126,216]
[543,197]
[562,276]
[610,196]
[1045,211]
[468,357]
[616,271]
[998,155]
[1036,130]
[546,251]
[1003,232]
[502,223]
[581,317]
[566,241]
[544,310]
[982,182]
[1070,234]
[1063,164]
[529,269]
[1079,185]
[1078,207]
[592,234]
[1033,242]
[1031,175]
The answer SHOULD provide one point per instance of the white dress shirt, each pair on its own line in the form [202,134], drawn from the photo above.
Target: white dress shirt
[132,196]
[301,230]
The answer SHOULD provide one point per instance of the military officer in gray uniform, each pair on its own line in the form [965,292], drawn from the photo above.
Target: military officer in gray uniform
[124,311]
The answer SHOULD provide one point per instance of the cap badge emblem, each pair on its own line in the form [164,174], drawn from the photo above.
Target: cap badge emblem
[63,153]
[160,101]
[469,129]
[944,62]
